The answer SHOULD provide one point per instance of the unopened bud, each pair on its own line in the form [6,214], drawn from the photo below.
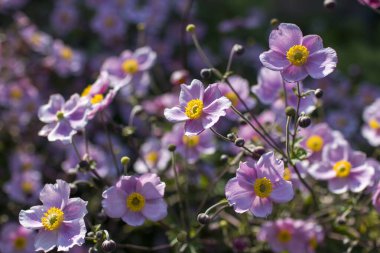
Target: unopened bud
[239,142]
[182,236]
[203,218]
[125,160]
[290,111]
[172,147]
[190,28]
[274,22]
[108,246]
[304,121]
[318,93]
[206,74]
[329,4]
[224,158]
[238,49]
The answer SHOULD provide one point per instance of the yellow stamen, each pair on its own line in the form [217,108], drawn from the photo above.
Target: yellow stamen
[86,91]
[16,93]
[313,243]
[109,22]
[36,39]
[297,55]
[315,143]
[263,187]
[374,124]
[27,187]
[97,99]
[284,236]
[130,66]
[52,219]
[66,53]
[342,168]
[60,115]
[194,109]
[135,202]
[152,157]
[19,243]
[232,97]
[190,141]
[287,174]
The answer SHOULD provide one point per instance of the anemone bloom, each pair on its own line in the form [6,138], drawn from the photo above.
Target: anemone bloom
[257,185]
[371,129]
[200,108]
[59,219]
[63,119]
[297,56]
[134,199]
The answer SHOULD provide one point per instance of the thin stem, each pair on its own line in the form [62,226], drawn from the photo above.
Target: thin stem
[285,93]
[232,53]
[144,248]
[115,163]
[220,203]
[184,22]
[297,115]
[226,139]
[86,141]
[76,150]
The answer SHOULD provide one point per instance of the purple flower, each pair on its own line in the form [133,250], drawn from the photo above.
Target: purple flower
[24,187]
[64,18]
[190,147]
[241,86]
[376,198]
[200,108]
[371,129]
[343,168]
[108,24]
[134,199]
[257,185]
[153,156]
[15,238]
[63,119]
[131,68]
[37,40]
[59,219]
[269,85]
[297,56]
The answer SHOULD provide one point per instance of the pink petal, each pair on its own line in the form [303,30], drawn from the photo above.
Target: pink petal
[70,234]
[282,192]
[75,209]
[175,115]
[338,185]
[283,38]
[55,195]
[218,106]
[32,218]
[133,218]
[155,210]
[274,60]
[212,93]
[238,197]
[261,207]
[313,43]
[114,202]
[193,127]
[294,73]
[189,92]
[321,63]
[45,240]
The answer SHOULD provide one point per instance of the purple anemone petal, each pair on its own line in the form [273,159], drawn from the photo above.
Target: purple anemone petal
[45,240]
[175,114]
[75,209]
[189,92]
[133,218]
[193,127]
[32,218]
[274,60]
[155,209]
[313,43]
[261,207]
[114,202]
[237,196]
[321,63]
[283,38]
[294,73]
[282,192]
[71,233]
[55,195]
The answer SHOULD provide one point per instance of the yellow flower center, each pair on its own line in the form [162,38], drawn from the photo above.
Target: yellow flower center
[263,187]
[86,91]
[16,94]
[374,124]
[313,243]
[297,55]
[284,236]
[26,166]
[232,97]
[194,108]
[20,243]
[97,99]
[52,219]
[66,53]
[190,141]
[109,22]
[36,39]
[342,168]
[135,202]
[152,157]
[314,143]
[60,115]
[27,187]
[287,174]
[130,66]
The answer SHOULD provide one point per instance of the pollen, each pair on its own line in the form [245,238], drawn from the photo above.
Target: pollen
[342,168]
[97,99]
[130,66]
[190,141]
[19,243]
[194,109]
[263,187]
[284,236]
[52,219]
[66,53]
[152,157]
[86,91]
[297,55]
[232,97]
[374,124]
[287,174]
[135,202]
[60,115]
[314,143]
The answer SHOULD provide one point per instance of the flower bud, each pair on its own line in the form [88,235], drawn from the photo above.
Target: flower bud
[239,142]
[190,28]
[231,136]
[318,93]
[304,121]
[125,160]
[108,246]
[274,22]
[182,236]
[179,77]
[92,250]
[206,74]
[203,218]
[172,147]
[224,158]
[99,235]
[84,165]
[290,111]
[329,4]
[238,49]
[73,188]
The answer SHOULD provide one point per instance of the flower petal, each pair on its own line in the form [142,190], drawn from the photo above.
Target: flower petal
[32,218]
[189,92]
[114,202]
[193,127]
[55,195]
[321,63]
[338,185]
[212,93]
[175,114]
[45,240]
[62,132]
[133,218]
[294,73]
[313,43]
[75,209]
[155,209]
[274,60]
[48,113]
[283,38]
[145,57]
[261,207]
[238,197]
[282,192]
[70,234]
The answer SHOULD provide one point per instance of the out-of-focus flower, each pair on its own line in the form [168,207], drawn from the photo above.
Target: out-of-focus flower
[297,56]
[59,219]
[24,187]
[134,199]
[343,120]
[158,104]
[63,119]
[241,86]
[374,4]
[131,68]
[257,185]
[371,128]
[15,238]
[190,147]
[343,168]
[38,41]
[269,85]
[200,108]
[153,157]
[376,197]
[108,24]
[64,18]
